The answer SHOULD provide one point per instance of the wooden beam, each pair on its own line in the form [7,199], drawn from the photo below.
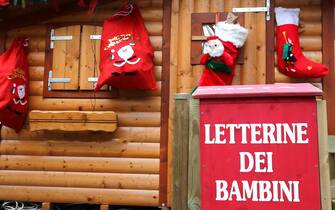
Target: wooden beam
[194,194]
[270,62]
[180,151]
[47,206]
[323,155]
[34,16]
[165,104]
[328,60]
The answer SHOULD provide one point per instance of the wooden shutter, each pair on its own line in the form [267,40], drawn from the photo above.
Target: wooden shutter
[65,59]
[89,56]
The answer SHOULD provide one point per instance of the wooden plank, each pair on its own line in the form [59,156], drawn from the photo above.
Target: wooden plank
[104,207]
[194,193]
[58,58]
[328,37]
[47,206]
[127,134]
[80,195]
[270,37]
[331,144]
[72,121]
[163,192]
[323,155]
[89,56]
[261,45]
[72,58]
[79,164]
[80,179]
[107,148]
[180,151]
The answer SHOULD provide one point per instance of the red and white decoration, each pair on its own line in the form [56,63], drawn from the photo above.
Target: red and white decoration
[291,60]
[220,54]
[14,85]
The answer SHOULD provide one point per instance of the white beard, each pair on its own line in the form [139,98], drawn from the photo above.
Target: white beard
[214,48]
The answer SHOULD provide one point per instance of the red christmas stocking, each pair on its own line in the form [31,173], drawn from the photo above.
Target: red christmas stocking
[4,3]
[221,52]
[291,61]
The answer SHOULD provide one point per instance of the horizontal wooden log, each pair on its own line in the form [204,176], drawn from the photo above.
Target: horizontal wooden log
[310,43]
[297,3]
[129,134]
[148,14]
[152,104]
[36,43]
[30,31]
[112,148]
[35,88]
[73,120]
[139,3]
[80,195]
[312,55]
[80,164]
[141,93]
[139,119]
[36,73]
[310,13]
[310,29]
[37,58]
[282,78]
[78,179]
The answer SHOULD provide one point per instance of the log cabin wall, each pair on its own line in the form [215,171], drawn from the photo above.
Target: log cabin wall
[120,168]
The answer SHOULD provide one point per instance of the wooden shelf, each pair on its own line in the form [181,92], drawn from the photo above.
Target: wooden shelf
[73,120]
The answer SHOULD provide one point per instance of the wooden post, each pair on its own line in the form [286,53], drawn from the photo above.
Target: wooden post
[194,157]
[323,155]
[104,207]
[47,206]
[180,151]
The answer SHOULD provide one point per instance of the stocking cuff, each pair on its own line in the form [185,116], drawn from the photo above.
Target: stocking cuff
[287,16]
[233,33]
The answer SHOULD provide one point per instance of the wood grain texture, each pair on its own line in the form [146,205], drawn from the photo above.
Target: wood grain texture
[79,164]
[80,180]
[194,193]
[323,155]
[270,51]
[72,121]
[180,150]
[80,195]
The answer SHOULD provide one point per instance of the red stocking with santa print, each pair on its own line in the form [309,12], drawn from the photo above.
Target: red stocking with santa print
[126,54]
[14,81]
[220,54]
[291,61]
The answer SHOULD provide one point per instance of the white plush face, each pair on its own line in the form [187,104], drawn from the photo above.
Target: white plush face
[214,48]
[125,52]
[21,91]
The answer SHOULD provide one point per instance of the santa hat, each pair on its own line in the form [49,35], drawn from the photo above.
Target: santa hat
[233,33]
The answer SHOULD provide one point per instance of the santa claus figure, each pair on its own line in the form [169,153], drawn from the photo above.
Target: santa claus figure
[220,54]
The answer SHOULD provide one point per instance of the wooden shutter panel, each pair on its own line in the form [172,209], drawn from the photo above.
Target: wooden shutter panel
[89,56]
[65,59]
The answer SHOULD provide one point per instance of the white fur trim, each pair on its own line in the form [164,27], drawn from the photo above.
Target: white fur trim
[287,16]
[231,33]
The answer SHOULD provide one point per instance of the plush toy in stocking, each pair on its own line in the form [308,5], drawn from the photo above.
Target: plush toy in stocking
[291,61]
[220,54]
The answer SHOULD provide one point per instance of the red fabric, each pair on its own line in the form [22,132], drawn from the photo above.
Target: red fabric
[14,85]
[211,78]
[303,67]
[92,6]
[126,54]
[4,3]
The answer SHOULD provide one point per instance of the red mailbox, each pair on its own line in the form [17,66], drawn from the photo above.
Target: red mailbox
[259,147]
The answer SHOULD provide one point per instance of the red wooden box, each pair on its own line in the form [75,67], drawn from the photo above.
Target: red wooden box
[259,147]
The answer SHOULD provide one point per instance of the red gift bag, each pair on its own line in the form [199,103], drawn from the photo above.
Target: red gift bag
[126,54]
[14,81]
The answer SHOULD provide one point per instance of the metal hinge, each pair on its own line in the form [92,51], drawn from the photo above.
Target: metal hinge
[95,37]
[57,38]
[92,79]
[56,80]
[256,9]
